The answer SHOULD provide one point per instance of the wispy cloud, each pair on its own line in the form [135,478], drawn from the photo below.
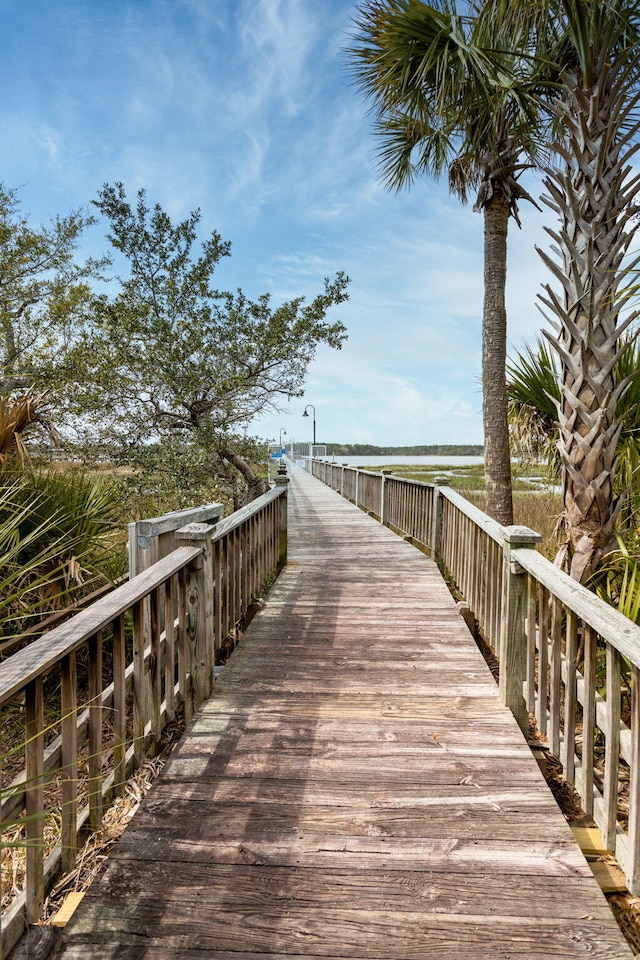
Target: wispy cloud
[245,109]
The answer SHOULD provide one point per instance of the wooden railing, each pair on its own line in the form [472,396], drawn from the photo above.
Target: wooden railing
[99,689]
[151,540]
[567,658]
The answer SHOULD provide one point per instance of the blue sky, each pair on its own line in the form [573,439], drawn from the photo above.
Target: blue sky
[245,109]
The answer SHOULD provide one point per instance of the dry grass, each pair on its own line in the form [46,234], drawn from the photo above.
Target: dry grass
[539,511]
[96,848]
[97,845]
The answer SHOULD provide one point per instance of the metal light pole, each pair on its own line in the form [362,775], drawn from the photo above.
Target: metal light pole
[305,414]
[282,430]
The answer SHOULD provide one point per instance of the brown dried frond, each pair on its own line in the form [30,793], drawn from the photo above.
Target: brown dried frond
[21,416]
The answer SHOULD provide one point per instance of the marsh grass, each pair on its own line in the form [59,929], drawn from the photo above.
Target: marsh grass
[540,511]
[535,503]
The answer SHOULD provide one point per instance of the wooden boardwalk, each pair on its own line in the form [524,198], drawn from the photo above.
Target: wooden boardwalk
[353,789]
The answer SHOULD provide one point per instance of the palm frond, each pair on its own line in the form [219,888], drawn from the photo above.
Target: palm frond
[445,100]
[21,417]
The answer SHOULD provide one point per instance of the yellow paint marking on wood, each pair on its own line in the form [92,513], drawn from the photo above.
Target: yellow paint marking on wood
[67,909]
[609,876]
[607,872]
[590,840]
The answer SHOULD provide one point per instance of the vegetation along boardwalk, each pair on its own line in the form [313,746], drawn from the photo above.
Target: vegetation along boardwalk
[353,788]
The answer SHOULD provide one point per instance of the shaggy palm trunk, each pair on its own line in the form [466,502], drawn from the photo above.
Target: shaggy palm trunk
[595,202]
[497,461]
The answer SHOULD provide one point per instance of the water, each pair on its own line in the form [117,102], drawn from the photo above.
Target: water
[425,461]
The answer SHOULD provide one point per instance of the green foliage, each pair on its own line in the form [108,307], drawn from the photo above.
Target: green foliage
[43,290]
[178,364]
[618,581]
[56,540]
[534,393]
[82,511]
[55,528]
[172,353]
[628,412]
[166,365]
[448,98]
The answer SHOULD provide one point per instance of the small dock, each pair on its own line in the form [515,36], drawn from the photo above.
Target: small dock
[354,788]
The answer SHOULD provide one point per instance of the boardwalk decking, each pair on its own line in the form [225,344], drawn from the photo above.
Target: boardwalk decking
[353,789]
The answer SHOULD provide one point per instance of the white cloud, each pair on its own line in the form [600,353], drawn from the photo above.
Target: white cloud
[245,108]
[50,141]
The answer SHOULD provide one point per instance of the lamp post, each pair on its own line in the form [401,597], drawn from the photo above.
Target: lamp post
[305,414]
[282,430]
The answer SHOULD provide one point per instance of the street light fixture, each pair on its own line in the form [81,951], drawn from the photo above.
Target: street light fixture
[305,414]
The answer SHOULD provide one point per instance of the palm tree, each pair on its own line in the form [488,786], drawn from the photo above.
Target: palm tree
[446,103]
[593,190]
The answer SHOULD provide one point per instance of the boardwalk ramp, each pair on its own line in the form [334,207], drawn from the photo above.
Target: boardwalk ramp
[353,789]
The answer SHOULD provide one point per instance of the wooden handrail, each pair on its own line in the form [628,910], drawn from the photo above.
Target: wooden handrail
[562,650]
[238,517]
[165,629]
[153,538]
[58,617]
[41,655]
[611,625]
[491,527]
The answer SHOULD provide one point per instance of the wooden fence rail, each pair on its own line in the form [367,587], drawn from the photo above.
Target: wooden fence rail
[155,538]
[567,658]
[99,689]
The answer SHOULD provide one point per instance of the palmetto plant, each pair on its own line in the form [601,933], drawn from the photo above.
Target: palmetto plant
[55,528]
[618,582]
[450,98]
[77,513]
[534,390]
[26,557]
[533,393]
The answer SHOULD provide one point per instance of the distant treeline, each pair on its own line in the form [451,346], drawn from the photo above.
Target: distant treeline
[426,450]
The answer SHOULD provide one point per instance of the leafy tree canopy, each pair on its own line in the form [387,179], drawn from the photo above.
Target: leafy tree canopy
[44,290]
[168,363]
[170,354]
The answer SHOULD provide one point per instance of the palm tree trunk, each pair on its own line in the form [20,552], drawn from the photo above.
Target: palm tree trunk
[497,460]
[596,209]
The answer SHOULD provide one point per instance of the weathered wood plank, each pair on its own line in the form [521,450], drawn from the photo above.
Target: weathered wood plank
[349,933]
[256,887]
[517,821]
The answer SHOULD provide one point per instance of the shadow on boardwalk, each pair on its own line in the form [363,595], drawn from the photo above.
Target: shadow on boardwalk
[354,788]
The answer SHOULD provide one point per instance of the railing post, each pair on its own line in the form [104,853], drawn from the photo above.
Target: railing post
[199,595]
[437,523]
[383,497]
[281,481]
[513,637]
[357,487]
